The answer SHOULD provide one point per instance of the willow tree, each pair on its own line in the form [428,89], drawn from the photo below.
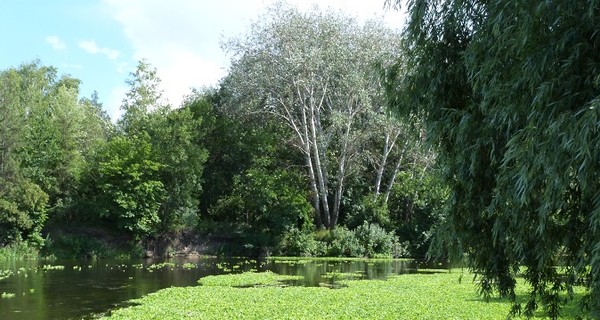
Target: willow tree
[510,91]
[314,71]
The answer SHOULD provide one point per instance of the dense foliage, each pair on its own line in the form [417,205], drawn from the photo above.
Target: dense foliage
[509,91]
[45,137]
[315,73]
[293,153]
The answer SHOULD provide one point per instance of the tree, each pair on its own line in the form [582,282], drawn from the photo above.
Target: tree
[126,187]
[315,72]
[99,127]
[42,126]
[266,202]
[169,150]
[143,98]
[12,123]
[51,156]
[176,141]
[509,91]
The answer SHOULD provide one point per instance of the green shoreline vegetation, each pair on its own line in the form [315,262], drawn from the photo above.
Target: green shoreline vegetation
[266,296]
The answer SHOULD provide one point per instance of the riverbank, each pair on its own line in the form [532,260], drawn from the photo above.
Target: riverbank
[84,242]
[436,295]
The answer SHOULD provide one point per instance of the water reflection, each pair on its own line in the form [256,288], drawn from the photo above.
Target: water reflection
[82,289]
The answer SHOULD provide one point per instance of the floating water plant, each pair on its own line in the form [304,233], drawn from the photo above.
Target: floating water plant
[247,279]
[261,296]
[342,275]
[161,266]
[189,266]
[5,274]
[52,267]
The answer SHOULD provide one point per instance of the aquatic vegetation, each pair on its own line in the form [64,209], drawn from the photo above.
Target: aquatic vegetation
[161,265]
[343,275]
[189,266]
[5,274]
[52,267]
[224,267]
[411,296]
[247,279]
[338,259]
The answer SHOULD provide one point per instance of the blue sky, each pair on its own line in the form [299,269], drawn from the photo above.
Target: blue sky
[100,41]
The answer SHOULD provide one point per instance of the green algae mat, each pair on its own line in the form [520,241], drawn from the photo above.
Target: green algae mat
[269,296]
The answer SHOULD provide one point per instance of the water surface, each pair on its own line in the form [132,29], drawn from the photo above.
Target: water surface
[68,289]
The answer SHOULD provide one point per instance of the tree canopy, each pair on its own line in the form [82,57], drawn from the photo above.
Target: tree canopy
[293,153]
[315,72]
[510,94]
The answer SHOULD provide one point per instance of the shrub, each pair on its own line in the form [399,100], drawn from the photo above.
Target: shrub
[369,209]
[22,213]
[375,240]
[19,250]
[64,245]
[300,243]
[343,242]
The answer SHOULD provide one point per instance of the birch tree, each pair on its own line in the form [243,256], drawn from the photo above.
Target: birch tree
[314,71]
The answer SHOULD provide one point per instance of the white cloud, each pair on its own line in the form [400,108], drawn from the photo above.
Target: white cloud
[74,66]
[181,38]
[56,43]
[90,46]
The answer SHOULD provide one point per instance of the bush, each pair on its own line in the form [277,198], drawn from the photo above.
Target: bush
[77,246]
[343,243]
[299,243]
[19,250]
[22,213]
[375,240]
[369,209]
[367,240]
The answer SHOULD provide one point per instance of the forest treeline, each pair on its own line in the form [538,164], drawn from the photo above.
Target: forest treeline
[294,152]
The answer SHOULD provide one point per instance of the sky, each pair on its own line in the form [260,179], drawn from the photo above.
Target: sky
[101,41]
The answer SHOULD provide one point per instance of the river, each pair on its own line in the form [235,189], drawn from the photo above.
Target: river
[68,289]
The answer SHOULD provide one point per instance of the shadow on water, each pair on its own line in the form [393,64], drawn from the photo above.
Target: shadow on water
[69,289]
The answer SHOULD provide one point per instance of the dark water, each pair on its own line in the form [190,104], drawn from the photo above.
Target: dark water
[85,289]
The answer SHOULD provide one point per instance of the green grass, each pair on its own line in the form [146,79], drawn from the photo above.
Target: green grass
[414,296]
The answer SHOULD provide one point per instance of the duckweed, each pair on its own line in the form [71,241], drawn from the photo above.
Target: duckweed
[246,279]
[412,296]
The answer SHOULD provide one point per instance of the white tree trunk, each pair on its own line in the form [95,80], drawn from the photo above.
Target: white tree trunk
[319,165]
[394,174]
